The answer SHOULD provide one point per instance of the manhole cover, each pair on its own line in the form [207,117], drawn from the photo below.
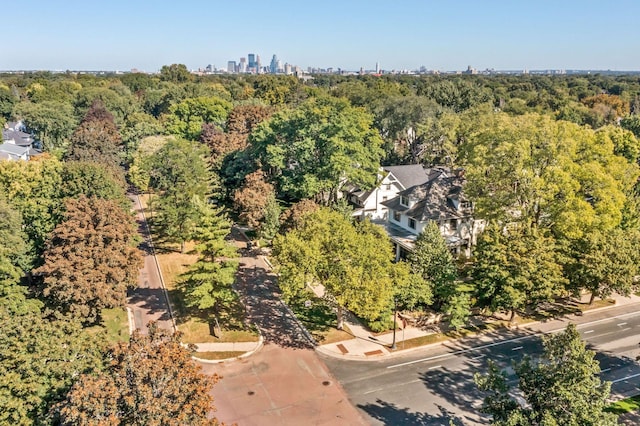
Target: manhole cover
[326,383]
[251,393]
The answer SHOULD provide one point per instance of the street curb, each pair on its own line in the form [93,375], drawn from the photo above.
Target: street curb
[155,258]
[397,353]
[259,346]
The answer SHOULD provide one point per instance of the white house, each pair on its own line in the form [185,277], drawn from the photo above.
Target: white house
[440,199]
[9,151]
[391,180]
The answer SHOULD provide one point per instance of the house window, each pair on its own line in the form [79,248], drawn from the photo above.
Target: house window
[387,187]
[396,216]
[453,224]
[404,200]
[384,198]
[412,223]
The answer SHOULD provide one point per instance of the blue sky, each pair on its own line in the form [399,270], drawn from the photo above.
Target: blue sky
[442,35]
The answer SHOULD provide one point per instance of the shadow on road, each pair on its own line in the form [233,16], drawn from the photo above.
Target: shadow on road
[390,414]
[152,300]
[265,309]
[458,388]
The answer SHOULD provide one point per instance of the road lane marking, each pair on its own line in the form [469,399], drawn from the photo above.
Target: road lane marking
[372,391]
[621,324]
[587,332]
[625,378]
[434,367]
[605,370]
[462,351]
[517,348]
[502,342]
[478,357]
[626,329]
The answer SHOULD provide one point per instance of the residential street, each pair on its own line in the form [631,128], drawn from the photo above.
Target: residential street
[288,383]
[285,383]
[435,384]
[147,302]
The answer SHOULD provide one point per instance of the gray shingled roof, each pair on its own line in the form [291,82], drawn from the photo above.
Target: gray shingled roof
[436,198]
[12,149]
[408,175]
[20,138]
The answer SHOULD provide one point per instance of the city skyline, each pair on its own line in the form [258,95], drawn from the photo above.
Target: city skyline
[495,34]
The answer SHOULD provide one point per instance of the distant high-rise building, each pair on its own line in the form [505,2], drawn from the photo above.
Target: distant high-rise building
[252,60]
[273,67]
[243,65]
[209,68]
[231,67]
[287,69]
[258,65]
[377,68]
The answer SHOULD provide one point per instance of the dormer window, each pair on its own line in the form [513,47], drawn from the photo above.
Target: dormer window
[404,201]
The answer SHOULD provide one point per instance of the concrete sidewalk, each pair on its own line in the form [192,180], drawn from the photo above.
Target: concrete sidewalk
[367,346]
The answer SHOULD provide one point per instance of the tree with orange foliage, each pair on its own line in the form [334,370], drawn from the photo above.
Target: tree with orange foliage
[90,259]
[150,380]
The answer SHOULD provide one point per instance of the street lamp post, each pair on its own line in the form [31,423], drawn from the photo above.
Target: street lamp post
[395,316]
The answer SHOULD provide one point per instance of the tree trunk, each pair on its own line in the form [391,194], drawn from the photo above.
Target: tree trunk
[182,243]
[513,315]
[592,298]
[340,318]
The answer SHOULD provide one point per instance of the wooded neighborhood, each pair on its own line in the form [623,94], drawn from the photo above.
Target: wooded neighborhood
[464,198]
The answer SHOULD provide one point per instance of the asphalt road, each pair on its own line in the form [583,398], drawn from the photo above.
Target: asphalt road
[433,385]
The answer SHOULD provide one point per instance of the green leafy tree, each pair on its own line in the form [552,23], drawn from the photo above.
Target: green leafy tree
[516,269]
[90,260]
[546,173]
[605,263]
[52,122]
[432,260]
[352,263]
[562,388]
[92,180]
[271,223]
[186,118]
[150,380]
[180,174]
[140,170]
[310,150]
[39,360]
[458,308]
[33,189]
[13,255]
[175,73]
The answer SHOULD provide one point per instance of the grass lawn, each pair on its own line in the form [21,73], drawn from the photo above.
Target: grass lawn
[626,405]
[114,325]
[197,326]
[319,319]
[218,355]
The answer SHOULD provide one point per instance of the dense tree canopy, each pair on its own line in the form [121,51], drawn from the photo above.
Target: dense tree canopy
[179,173]
[310,150]
[352,263]
[39,360]
[150,380]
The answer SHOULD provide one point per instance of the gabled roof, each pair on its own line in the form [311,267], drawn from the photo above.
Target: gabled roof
[408,175]
[13,149]
[18,137]
[439,198]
